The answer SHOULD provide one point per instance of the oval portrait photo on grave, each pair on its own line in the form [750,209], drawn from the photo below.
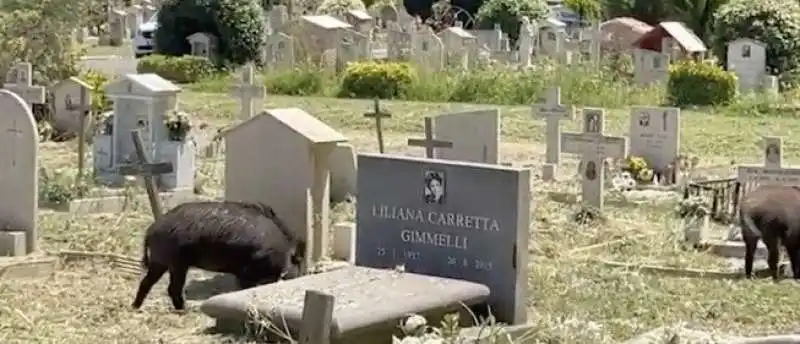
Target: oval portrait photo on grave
[773,153]
[434,187]
[591,171]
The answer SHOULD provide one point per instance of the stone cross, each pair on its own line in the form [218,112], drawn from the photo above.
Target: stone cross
[148,172]
[248,92]
[429,142]
[20,81]
[594,147]
[553,112]
[378,115]
[772,172]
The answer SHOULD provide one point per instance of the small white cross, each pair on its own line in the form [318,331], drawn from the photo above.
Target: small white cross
[248,92]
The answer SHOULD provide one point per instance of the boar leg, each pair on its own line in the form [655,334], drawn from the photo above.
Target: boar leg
[773,255]
[794,257]
[154,273]
[749,255]
[177,280]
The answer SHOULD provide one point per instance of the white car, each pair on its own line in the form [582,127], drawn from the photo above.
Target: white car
[143,39]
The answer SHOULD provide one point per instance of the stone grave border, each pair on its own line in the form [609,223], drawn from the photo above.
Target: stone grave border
[34,267]
[584,254]
[120,201]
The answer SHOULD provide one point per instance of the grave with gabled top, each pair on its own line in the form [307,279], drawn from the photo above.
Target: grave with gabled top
[73,100]
[143,102]
[281,157]
[203,44]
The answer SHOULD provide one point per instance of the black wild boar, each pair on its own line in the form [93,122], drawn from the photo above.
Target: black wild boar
[772,214]
[247,240]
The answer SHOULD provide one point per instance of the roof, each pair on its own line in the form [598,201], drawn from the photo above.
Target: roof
[459,32]
[634,24]
[360,14]
[684,36]
[153,83]
[326,22]
[202,35]
[553,22]
[72,80]
[299,121]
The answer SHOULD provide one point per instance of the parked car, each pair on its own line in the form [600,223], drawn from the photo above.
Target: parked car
[144,38]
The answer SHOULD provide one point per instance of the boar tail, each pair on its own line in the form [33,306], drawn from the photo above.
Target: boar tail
[749,225]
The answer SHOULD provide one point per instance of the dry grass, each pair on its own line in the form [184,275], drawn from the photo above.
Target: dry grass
[574,300]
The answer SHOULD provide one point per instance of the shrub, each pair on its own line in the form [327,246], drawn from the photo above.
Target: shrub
[698,83]
[371,79]
[297,82]
[180,69]
[236,23]
[508,13]
[776,23]
[338,8]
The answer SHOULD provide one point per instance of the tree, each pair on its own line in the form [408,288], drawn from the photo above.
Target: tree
[507,13]
[237,24]
[587,9]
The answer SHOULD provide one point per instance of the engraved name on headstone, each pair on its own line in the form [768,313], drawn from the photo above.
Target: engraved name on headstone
[448,219]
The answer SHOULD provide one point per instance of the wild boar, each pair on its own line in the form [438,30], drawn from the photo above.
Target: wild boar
[247,240]
[772,214]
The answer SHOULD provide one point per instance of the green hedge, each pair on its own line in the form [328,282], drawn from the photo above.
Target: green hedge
[610,86]
[699,83]
[183,69]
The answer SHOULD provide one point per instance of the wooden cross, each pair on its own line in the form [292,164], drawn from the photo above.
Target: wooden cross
[22,85]
[429,142]
[248,92]
[553,112]
[84,110]
[378,115]
[148,172]
[594,147]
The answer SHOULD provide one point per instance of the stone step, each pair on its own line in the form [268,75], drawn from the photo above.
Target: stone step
[368,305]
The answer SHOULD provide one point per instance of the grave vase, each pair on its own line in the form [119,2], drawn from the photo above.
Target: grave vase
[695,229]
[181,155]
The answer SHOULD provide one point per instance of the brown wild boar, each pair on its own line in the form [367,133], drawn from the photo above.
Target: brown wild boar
[247,240]
[772,214]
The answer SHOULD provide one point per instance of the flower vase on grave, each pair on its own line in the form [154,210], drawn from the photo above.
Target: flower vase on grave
[181,155]
[695,229]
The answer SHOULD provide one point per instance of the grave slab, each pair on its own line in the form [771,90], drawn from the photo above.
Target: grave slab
[451,219]
[475,135]
[12,243]
[27,268]
[366,300]
[120,203]
[735,249]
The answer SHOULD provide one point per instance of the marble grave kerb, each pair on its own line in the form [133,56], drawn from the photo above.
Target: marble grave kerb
[451,219]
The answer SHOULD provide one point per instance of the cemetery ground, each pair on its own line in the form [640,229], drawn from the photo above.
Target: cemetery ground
[573,297]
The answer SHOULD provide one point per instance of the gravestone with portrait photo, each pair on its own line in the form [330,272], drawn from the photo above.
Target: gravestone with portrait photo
[654,134]
[747,58]
[772,172]
[448,219]
[474,134]
[72,100]
[594,148]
